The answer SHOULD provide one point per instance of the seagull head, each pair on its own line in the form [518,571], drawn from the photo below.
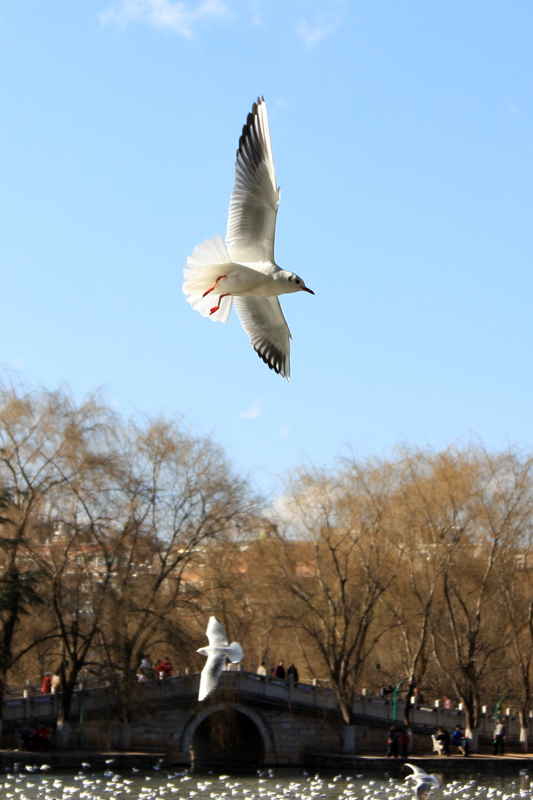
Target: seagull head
[292,282]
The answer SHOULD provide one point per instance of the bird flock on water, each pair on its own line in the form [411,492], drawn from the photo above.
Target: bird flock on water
[160,784]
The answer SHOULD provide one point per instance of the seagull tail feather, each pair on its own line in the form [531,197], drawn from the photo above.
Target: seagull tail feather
[234,652]
[205,264]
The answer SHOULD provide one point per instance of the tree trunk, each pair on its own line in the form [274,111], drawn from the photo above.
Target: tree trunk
[523,730]
[2,692]
[349,739]
[124,736]
[346,710]
[349,728]
[62,727]
[407,706]
[471,731]
[62,731]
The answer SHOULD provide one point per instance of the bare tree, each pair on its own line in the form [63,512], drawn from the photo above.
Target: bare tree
[514,594]
[483,499]
[173,494]
[42,451]
[339,555]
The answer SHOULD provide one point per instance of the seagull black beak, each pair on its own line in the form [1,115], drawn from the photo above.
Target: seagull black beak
[308,290]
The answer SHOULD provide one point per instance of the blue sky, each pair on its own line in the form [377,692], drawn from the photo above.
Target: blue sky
[403,142]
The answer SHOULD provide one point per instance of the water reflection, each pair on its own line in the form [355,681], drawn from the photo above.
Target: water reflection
[278,785]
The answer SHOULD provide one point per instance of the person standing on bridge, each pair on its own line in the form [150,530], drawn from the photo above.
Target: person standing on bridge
[279,671]
[262,669]
[292,674]
[146,669]
[55,683]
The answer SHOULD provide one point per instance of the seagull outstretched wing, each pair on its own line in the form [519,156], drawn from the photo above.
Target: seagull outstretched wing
[263,321]
[255,196]
[424,784]
[417,771]
[214,666]
[215,633]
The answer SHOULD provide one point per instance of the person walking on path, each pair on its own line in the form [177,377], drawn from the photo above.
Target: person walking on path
[499,738]
[392,742]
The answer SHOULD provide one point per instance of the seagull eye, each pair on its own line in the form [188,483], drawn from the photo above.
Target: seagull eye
[298,282]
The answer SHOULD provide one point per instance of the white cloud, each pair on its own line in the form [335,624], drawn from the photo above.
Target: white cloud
[322,19]
[257,13]
[178,17]
[252,413]
[311,33]
[284,432]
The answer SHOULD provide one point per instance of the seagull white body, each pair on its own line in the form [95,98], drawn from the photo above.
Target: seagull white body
[243,268]
[218,652]
[424,784]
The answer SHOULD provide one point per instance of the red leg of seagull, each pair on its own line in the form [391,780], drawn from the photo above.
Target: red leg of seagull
[212,310]
[214,285]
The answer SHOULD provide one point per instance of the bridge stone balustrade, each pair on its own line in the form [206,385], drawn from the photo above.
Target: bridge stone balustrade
[275,722]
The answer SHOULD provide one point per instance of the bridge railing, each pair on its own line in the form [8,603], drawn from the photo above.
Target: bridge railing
[25,706]
[286,691]
[432,717]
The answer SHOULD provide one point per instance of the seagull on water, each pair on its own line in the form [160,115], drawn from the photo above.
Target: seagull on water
[217,653]
[424,784]
[243,268]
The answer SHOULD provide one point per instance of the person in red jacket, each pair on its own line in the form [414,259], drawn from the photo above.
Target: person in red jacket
[40,737]
[46,683]
[279,671]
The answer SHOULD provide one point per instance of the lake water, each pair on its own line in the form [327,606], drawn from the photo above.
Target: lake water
[268,785]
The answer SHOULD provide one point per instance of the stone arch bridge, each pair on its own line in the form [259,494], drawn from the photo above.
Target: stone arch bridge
[248,720]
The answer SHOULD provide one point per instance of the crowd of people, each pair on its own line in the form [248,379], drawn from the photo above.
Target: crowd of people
[148,672]
[37,738]
[51,683]
[399,741]
[279,671]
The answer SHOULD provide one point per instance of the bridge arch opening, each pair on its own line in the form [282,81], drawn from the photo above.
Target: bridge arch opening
[227,737]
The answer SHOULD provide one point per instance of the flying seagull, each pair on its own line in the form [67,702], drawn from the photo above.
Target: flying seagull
[243,268]
[217,652]
[424,784]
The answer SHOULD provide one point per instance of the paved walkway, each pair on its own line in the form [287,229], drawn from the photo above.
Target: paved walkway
[477,762]
[119,760]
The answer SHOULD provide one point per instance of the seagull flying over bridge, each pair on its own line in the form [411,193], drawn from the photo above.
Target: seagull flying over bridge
[243,268]
[217,652]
